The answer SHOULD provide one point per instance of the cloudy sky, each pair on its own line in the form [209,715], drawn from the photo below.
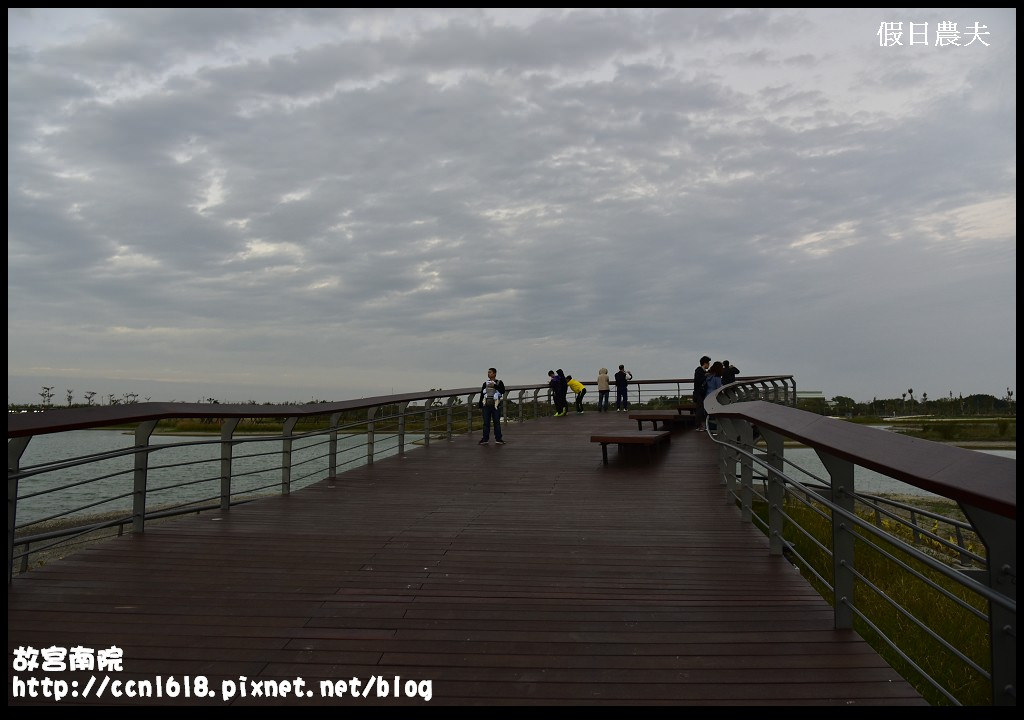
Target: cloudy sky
[281,205]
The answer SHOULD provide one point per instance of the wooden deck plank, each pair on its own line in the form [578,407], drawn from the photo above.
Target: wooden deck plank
[518,574]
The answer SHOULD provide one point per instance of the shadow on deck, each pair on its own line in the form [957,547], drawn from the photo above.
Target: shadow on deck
[519,574]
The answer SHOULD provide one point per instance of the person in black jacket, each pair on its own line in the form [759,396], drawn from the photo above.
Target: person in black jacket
[622,378]
[699,389]
[491,394]
[729,372]
[559,387]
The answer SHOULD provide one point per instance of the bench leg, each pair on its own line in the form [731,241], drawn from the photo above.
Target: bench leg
[604,452]
[639,424]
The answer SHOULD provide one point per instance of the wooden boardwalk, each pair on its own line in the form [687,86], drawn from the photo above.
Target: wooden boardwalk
[519,574]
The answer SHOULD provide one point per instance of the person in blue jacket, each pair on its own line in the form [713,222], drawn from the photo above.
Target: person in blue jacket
[712,382]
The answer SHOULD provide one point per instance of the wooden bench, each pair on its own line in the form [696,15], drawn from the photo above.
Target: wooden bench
[664,417]
[686,408]
[654,416]
[647,439]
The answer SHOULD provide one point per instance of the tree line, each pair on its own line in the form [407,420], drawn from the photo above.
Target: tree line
[907,404]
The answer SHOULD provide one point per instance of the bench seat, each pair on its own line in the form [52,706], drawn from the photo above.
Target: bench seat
[663,416]
[647,439]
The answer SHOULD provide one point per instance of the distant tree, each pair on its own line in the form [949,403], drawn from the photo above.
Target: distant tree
[89,396]
[46,394]
[904,404]
[70,395]
[844,405]
[910,391]
[924,401]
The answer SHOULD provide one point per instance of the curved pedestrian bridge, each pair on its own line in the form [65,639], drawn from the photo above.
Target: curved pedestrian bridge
[528,573]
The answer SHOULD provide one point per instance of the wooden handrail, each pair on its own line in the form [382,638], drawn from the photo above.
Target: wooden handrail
[969,477]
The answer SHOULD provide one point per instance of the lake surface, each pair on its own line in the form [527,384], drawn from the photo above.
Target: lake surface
[195,460]
[864,480]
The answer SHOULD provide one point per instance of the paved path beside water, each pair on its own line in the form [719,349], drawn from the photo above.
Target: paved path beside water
[525,574]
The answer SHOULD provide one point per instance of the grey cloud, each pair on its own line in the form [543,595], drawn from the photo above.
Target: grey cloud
[581,184]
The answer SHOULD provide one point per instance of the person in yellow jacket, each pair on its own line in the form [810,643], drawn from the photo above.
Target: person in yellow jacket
[577,387]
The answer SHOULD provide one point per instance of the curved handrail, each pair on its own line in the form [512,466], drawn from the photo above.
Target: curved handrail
[983,485]
[60,420]
[63,419]
[985,481]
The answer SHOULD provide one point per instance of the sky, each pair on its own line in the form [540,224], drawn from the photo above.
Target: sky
[289,205]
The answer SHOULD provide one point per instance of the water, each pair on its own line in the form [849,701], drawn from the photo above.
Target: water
[864,480]
[184,470]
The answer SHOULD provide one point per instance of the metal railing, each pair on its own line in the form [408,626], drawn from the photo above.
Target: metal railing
[862,550]
[65,499]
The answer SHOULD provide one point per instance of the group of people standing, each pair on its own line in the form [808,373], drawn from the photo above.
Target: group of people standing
[561,383]
[707,378]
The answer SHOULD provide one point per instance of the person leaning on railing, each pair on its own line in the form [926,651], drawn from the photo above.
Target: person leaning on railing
[577,387]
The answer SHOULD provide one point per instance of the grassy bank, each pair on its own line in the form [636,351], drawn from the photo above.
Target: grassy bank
[385,423]
[951,430]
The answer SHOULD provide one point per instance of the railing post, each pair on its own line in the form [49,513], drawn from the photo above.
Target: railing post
[15,449]
[286,454]
[469,413]
[426,423]
[731,429]
[746,441]
[841,475]
[1000,537]
[370,413]
[142,433]
[450,404]
[536,403]
[522,393]
[332,446]
[401,426]
[776,490]
[227,431]
[965,559]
